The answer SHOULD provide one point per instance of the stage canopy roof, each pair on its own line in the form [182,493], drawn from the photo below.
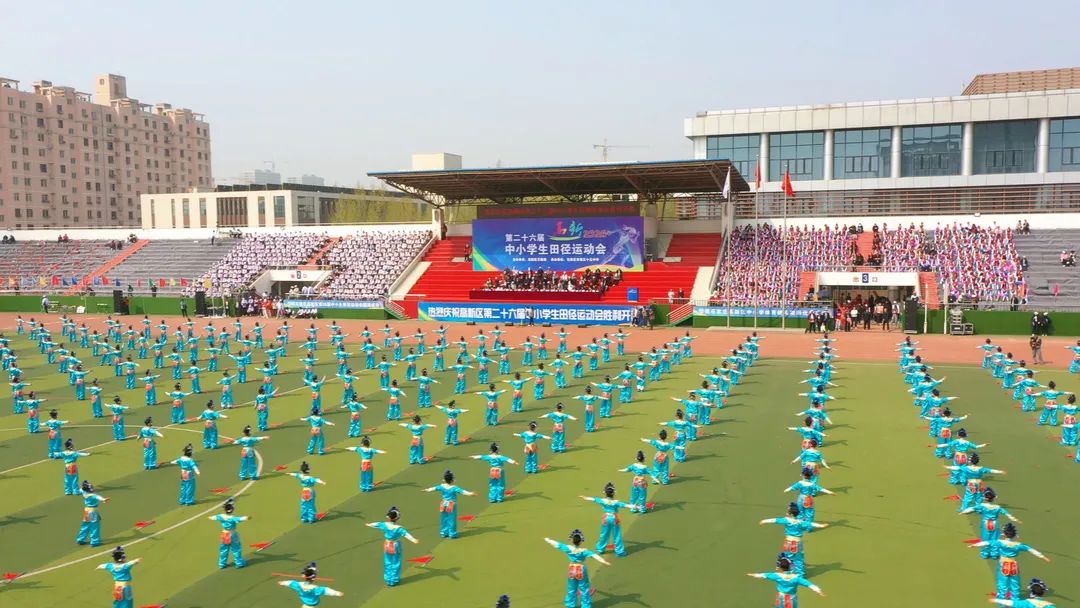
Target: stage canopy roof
[576,183]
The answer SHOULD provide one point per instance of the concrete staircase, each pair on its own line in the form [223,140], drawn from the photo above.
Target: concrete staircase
[313,261]
[865,243]
[807,278]
[102,270]
[1042,248]
[930,289]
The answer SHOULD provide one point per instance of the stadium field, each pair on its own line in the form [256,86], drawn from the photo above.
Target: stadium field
[895,537]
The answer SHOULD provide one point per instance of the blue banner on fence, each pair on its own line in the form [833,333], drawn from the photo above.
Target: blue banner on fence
[327,304]
[567,243]
[493,312]
[748,311]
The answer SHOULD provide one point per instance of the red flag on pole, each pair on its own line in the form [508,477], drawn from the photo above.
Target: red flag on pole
[757,177]
[104,280]
[183,282]
[788,190]
[162,283]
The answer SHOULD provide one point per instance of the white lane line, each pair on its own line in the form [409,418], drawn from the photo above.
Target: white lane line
[216,506]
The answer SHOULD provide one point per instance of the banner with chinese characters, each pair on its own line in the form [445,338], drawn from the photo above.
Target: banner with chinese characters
[490,312]
[763,311]
[564,244]
[333,304]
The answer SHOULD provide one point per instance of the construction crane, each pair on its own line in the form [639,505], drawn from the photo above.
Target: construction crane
[604,147]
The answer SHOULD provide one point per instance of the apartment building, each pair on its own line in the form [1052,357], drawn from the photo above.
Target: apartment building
[69,159]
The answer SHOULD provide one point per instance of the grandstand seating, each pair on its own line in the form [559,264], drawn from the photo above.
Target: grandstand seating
[980,263]
[257,252]
[1042,248]
[765,277]
[368,262]
[171,260]
[30,263]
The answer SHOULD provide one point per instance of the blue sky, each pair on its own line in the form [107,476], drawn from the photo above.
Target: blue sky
[340,89]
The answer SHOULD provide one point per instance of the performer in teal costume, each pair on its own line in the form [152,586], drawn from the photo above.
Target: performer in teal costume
[355,410]
[90,529]
[392,554]
[149,436]
[230,538]
[578,587]
[794,529]
[1008,549]
[660,465]
[308,512]
[1036,590]
[249,464]
[787,583]
[448,505]
[70,456]
[210,429]
[367,463]
[120,569]
[639,487]
[310,594]
[318,439]
[189,470]
[530,437]
[496,473]
[991,514]
[808,491]
[610,524]
[558,428]
[452,412]
[416,448]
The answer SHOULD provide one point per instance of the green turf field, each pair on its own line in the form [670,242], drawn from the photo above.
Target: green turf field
[894,538]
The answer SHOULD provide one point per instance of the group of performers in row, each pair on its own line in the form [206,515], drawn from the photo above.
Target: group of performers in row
[790,573]
[998,541]
[698,406]
[1017,378]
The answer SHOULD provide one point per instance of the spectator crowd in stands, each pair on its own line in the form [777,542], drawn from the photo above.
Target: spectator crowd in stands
[549,280]
[762,263]
[255,253]
[366,264]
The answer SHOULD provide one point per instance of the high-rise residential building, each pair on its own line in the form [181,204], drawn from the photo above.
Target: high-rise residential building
[72,159]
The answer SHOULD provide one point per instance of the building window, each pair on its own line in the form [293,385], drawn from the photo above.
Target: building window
[305,210]
[1005,146]
[802,153]
[232,211]
[742,150]
[931,150]
[1065,144]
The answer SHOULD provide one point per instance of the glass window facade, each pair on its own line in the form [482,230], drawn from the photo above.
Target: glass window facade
[859,153]
[1064,144]
[742,150]
[1005,146]
[305,210]
[931,150]
[802,153]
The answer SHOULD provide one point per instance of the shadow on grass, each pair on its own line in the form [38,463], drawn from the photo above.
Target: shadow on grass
[603,598]
[476,531]
[843,523]
[542,495]
[663,506]
[820,569]
[426,572]
[637,547]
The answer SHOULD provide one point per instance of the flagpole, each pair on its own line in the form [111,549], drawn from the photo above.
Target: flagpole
[757,256]
[783,249]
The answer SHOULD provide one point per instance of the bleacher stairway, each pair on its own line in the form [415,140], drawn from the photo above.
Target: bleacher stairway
[1042,248]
